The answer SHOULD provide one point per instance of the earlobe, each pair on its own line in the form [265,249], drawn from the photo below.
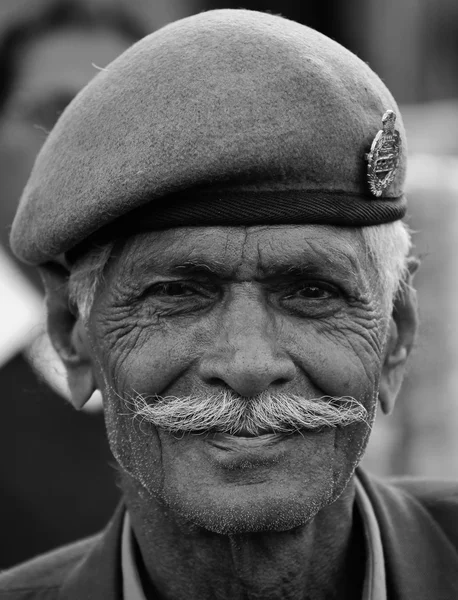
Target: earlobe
[68,335]
[401,337]
[80,375]
[393,370]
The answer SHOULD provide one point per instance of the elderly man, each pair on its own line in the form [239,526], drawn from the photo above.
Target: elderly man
[217,220]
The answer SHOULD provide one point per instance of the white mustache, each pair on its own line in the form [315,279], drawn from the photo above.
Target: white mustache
[230,413]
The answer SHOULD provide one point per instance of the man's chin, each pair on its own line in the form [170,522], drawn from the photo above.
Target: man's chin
[250,512]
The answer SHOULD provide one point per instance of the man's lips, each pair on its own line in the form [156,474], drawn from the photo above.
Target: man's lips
[237,453]
[226,441]
[245,433]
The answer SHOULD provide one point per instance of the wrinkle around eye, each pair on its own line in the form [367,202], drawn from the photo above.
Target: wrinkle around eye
[362,334]
[118,324]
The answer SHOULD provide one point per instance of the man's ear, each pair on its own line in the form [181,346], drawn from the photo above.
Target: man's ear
[68,335]
[401,337]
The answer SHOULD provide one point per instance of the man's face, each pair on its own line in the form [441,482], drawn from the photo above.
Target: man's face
[289,309]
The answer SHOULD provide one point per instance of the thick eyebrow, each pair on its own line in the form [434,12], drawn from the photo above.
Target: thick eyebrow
[322,259]
[201,268]
[300,271]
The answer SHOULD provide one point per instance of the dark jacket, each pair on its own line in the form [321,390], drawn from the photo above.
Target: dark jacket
[418,521]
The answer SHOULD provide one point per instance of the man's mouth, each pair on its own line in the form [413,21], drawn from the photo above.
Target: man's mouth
[244,440]
[246,433]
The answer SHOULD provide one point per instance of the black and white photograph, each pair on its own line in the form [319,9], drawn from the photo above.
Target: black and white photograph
[228,300]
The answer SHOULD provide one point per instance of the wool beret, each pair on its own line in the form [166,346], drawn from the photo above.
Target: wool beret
[226,117]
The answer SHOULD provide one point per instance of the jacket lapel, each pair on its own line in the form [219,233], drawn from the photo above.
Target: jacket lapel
[99,575]
[421,562]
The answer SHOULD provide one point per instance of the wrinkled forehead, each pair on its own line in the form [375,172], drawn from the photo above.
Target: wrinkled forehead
[237,250]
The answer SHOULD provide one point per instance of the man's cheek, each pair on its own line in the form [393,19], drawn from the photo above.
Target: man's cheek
[137,449]
[124,355]
[335,360]
[151,359]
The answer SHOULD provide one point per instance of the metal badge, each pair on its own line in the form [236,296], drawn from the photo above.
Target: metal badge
[383,158]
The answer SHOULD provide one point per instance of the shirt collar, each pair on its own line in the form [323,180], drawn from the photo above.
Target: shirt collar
[374,587]
[131,584]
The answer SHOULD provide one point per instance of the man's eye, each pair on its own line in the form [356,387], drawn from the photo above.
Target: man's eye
[313,291]
[176,289]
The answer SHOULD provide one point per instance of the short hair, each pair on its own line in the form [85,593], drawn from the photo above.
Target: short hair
[388,247]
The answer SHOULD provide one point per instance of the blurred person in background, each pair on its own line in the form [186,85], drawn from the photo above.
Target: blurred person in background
[48,459]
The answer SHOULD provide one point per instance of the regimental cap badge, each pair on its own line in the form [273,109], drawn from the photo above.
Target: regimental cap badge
[383,158]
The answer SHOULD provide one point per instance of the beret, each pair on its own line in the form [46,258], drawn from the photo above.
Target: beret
[226,117]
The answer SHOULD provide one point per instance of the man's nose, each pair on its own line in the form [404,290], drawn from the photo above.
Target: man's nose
[246,356]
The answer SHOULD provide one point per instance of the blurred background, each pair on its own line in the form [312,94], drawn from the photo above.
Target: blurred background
[56,473]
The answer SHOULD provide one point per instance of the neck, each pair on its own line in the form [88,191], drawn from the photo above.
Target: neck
[178,560]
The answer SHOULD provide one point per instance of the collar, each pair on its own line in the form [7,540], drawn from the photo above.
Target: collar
[131,584]
[374,587]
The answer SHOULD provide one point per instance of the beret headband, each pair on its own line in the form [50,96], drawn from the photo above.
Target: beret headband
[228,117]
